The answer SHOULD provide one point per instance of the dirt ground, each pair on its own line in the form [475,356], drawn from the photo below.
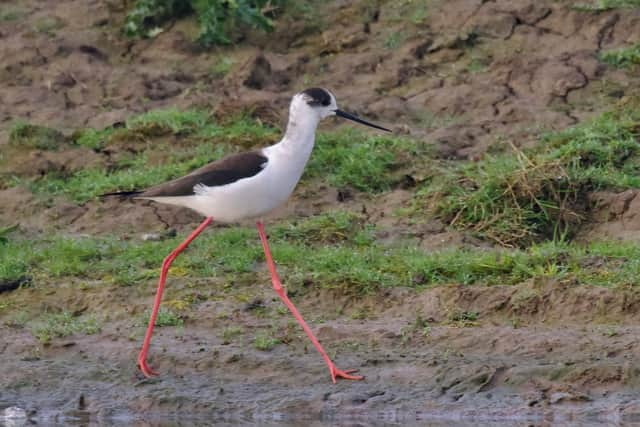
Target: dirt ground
[469,75]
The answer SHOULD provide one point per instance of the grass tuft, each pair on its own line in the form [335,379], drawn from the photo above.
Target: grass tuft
[165,317]
[222,66]
[346,265]
[13,264]
[62,325]
[265,342]
[35,136]
[394,40]
[351,158]
[229,333]
[524,196]
[8,14]
[219,20]
[329,228]
[87,184]
[171,119]
[604,5]
[622,58]
[463,319]
[92,138]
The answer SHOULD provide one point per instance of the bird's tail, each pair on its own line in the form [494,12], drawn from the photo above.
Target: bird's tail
[123,194]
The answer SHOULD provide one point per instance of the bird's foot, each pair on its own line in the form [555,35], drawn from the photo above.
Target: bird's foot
[144,367]
[337,373]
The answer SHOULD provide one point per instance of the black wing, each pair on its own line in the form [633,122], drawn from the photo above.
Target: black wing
[222,172]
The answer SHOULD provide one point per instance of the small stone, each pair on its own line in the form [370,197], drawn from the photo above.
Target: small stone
[13,412]
[151,237]
[561,396]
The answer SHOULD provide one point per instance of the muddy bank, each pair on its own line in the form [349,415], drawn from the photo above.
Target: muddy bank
[420,361]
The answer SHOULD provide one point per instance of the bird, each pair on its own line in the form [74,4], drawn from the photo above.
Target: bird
[249,185]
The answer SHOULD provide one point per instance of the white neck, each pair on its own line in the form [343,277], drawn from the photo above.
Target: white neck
[288,157]
[299,137]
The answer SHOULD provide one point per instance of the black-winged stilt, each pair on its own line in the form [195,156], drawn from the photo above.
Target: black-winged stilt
[249,185]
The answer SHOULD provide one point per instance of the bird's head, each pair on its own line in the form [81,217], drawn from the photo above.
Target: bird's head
[321,102]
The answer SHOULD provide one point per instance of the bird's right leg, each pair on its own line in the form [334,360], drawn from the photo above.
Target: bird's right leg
[277,286]
[142,357]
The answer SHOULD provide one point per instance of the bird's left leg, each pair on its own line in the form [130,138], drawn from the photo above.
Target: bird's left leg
[142,357]
[335,372]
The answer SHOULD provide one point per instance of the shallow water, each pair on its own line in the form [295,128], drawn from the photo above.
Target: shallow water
[364,424]
[184,423]
[351,424]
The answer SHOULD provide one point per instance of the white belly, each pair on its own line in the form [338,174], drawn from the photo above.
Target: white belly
[246,198]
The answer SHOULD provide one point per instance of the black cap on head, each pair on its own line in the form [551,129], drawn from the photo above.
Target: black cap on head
[317,97]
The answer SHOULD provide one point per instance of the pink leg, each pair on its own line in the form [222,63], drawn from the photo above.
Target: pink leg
[142,357]
[335,372]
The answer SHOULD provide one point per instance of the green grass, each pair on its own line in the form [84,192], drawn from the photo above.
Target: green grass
[87,184]
[428,120]
[604,5]
[5,232]
[34,136]
[478,64]
[220,21]
[265,342]
[8,14]
[352,158]
[519,197]
[171,119]
[222,66]
[126,262]
[193,126]
[165,317]
[419,15]
[394,40]
[48,25]
[13,265]
[92,138]
[345,263]
[150,124]
[463,319]
[62,325]
[622,58]
[242,131]
[229,333]
[401,12]
[332,227]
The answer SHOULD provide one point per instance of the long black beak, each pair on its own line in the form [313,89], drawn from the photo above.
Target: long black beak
[348,116]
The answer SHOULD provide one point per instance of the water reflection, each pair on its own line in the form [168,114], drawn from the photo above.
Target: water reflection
[76,422]
[439,423]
